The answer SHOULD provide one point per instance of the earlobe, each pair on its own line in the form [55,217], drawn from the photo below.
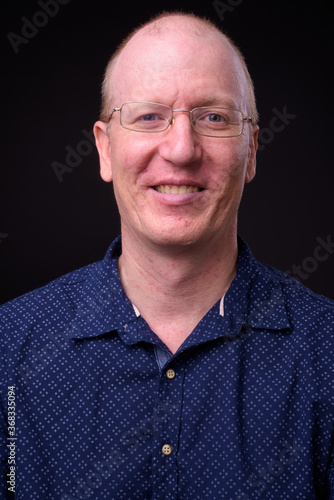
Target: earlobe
[251,165]
[103,146]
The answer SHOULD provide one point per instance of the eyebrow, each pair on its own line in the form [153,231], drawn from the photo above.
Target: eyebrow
[218,101]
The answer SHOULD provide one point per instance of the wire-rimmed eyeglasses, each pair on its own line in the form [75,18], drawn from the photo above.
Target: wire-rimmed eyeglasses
[210,121]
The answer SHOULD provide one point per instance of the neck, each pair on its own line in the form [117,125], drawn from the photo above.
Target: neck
[174,287]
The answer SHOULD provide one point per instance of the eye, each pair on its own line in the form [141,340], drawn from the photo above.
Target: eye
[149,117]
[149,120]
[215,118]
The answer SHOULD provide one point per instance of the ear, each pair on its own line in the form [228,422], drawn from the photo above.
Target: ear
[253,145]
[103,146]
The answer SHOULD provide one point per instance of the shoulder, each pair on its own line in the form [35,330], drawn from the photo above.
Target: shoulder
[67,282]
[294,289]
[305,339]
[58,306]
[277,301]
[306,310]
[56,301]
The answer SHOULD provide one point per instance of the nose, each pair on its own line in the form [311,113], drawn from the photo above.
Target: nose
[180,144]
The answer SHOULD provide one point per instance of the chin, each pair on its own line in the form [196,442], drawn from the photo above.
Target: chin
[171,237]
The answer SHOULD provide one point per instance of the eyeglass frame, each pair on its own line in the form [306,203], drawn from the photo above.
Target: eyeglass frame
[170,123]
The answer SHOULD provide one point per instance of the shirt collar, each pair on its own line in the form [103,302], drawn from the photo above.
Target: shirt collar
[103,306]
[255,300]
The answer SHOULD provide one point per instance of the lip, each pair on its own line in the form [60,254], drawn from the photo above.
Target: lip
[179,183]
[177,199]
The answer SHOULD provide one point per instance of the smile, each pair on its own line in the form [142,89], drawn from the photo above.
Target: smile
[174,189]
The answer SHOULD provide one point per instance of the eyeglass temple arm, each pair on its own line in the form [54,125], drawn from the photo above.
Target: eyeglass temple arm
[112,112]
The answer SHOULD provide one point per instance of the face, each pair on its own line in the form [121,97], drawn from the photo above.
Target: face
[184,71]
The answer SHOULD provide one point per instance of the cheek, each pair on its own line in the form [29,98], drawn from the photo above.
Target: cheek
[131,157]
[129,160]
[230,161]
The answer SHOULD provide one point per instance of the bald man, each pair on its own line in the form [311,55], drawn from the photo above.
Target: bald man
[178,367]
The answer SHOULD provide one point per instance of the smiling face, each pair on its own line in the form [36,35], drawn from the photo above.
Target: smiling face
[177,187]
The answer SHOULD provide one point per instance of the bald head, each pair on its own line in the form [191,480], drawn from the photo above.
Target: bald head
[188,31]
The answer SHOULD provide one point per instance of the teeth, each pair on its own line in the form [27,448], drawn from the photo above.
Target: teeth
[172,189]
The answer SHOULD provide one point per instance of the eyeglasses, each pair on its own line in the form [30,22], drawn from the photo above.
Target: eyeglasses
[211,121]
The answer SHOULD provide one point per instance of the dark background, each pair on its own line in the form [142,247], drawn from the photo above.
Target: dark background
[51,93]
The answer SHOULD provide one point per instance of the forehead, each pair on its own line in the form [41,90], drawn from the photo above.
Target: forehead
[176,62]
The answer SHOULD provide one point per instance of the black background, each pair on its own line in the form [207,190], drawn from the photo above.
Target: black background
[51,93]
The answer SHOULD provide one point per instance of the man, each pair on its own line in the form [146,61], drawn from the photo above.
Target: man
[178,367]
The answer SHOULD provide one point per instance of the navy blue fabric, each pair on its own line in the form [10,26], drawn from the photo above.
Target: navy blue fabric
[249,413]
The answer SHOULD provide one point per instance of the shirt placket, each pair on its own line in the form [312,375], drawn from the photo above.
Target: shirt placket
[167,425]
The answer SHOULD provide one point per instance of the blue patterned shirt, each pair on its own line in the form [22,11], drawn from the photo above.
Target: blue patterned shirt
[94,405]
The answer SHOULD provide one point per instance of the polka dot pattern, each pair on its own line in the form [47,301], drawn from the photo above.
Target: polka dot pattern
[243,410]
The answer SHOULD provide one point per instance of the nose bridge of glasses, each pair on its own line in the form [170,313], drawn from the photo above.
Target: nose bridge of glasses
[181,111]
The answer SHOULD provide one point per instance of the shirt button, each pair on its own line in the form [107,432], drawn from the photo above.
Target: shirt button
[170,373]
[167,449]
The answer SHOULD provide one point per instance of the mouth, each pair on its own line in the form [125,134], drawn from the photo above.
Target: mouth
[174,189]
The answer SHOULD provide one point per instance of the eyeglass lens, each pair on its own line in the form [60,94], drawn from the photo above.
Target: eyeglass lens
[154,117]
